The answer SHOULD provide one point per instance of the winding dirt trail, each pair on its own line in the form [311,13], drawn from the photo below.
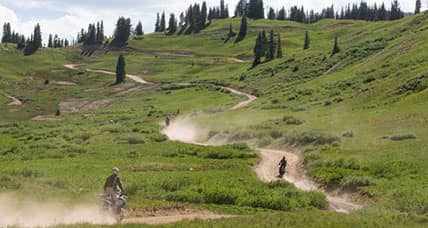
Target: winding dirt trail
[183,130]
[135,78]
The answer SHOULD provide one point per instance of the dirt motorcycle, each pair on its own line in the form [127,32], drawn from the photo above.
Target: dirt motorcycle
[282,171]
[115,205]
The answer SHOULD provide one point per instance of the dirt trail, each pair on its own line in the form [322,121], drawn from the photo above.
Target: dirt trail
[168,219]
[15,101]
[135,78]
[183,130]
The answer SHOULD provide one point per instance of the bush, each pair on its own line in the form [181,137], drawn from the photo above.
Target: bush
[135,140]
[292,121]
[402,137]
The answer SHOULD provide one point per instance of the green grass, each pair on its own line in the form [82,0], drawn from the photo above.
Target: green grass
[341,111]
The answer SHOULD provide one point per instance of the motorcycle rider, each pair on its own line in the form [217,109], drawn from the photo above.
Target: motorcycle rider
[282,166]
[167,121]
[113,186]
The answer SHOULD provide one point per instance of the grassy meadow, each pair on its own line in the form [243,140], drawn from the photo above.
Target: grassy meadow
[359,119]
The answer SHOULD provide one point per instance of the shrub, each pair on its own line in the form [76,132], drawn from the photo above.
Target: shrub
[134,139]
[292,121]
[402,137]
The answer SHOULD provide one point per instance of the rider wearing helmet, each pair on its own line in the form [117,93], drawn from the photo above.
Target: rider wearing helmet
[113,185]
[282,165]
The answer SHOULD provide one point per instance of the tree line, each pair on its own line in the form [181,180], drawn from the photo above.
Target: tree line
[93,36]
[193,20]
[271,48]
[354,11]
[56,42]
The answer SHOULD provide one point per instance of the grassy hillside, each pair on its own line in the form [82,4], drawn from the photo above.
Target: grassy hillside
[359,118]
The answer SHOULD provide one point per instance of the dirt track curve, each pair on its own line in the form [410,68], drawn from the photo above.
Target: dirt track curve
[266,170]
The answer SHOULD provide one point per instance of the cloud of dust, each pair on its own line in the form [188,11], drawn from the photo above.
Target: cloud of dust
[184,130]
[31,213]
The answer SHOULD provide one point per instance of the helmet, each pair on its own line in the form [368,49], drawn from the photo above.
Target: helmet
[115,170]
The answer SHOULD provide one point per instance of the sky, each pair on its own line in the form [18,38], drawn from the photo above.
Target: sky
[67,17]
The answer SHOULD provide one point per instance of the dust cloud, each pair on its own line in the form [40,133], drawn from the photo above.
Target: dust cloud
[29,213]
[182,129]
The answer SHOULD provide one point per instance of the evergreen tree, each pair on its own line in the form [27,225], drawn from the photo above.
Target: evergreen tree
[265,43]
[258,50]
[241,8]
[120,70]
[336,48]
[122,32]
[204,14]
[139,29]
[162,27]
[172,24]
[7,33]
[230,34]
[270,55]
[418,6]
[279,47]
[37,38]
[242,29]
[396,12]
[50,42]
[307,41]
[271,14]
[157,25]
[282,15]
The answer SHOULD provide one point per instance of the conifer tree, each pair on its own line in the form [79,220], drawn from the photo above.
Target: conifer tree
[418,6]
[172,24]
[122,32]
[270,55]
[139,29]
[279,47]
[242,29]
[271,14]
[307,43]
[204,14]
[336,48]
[162,27]
[50,42]
[265,43]
[258,50]
[157,25]
[120,70]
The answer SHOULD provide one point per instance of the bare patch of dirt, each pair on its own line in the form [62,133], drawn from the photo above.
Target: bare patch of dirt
[46,118]
[15,101]
[63,83]
[170,215]
[75,106]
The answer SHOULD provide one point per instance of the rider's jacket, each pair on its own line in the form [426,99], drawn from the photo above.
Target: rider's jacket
[113,181]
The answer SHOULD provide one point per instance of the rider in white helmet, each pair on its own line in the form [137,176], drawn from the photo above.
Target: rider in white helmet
[113,185]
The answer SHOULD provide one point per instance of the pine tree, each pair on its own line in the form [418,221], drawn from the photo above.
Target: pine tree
[157,25]
[122,32]
[336,48]
[120,70]
[7,33]
[258,50]
[204,14]
[242,29]
[271,14]
[37,38]
[230,34]
[265,43]
[241,8]
[139,29]
[270,55]
[418,6]
[307,41]
[279,47]
[50,42]
[162,27]
[172,24]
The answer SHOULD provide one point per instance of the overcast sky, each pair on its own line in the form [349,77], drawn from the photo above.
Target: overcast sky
[67,17]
